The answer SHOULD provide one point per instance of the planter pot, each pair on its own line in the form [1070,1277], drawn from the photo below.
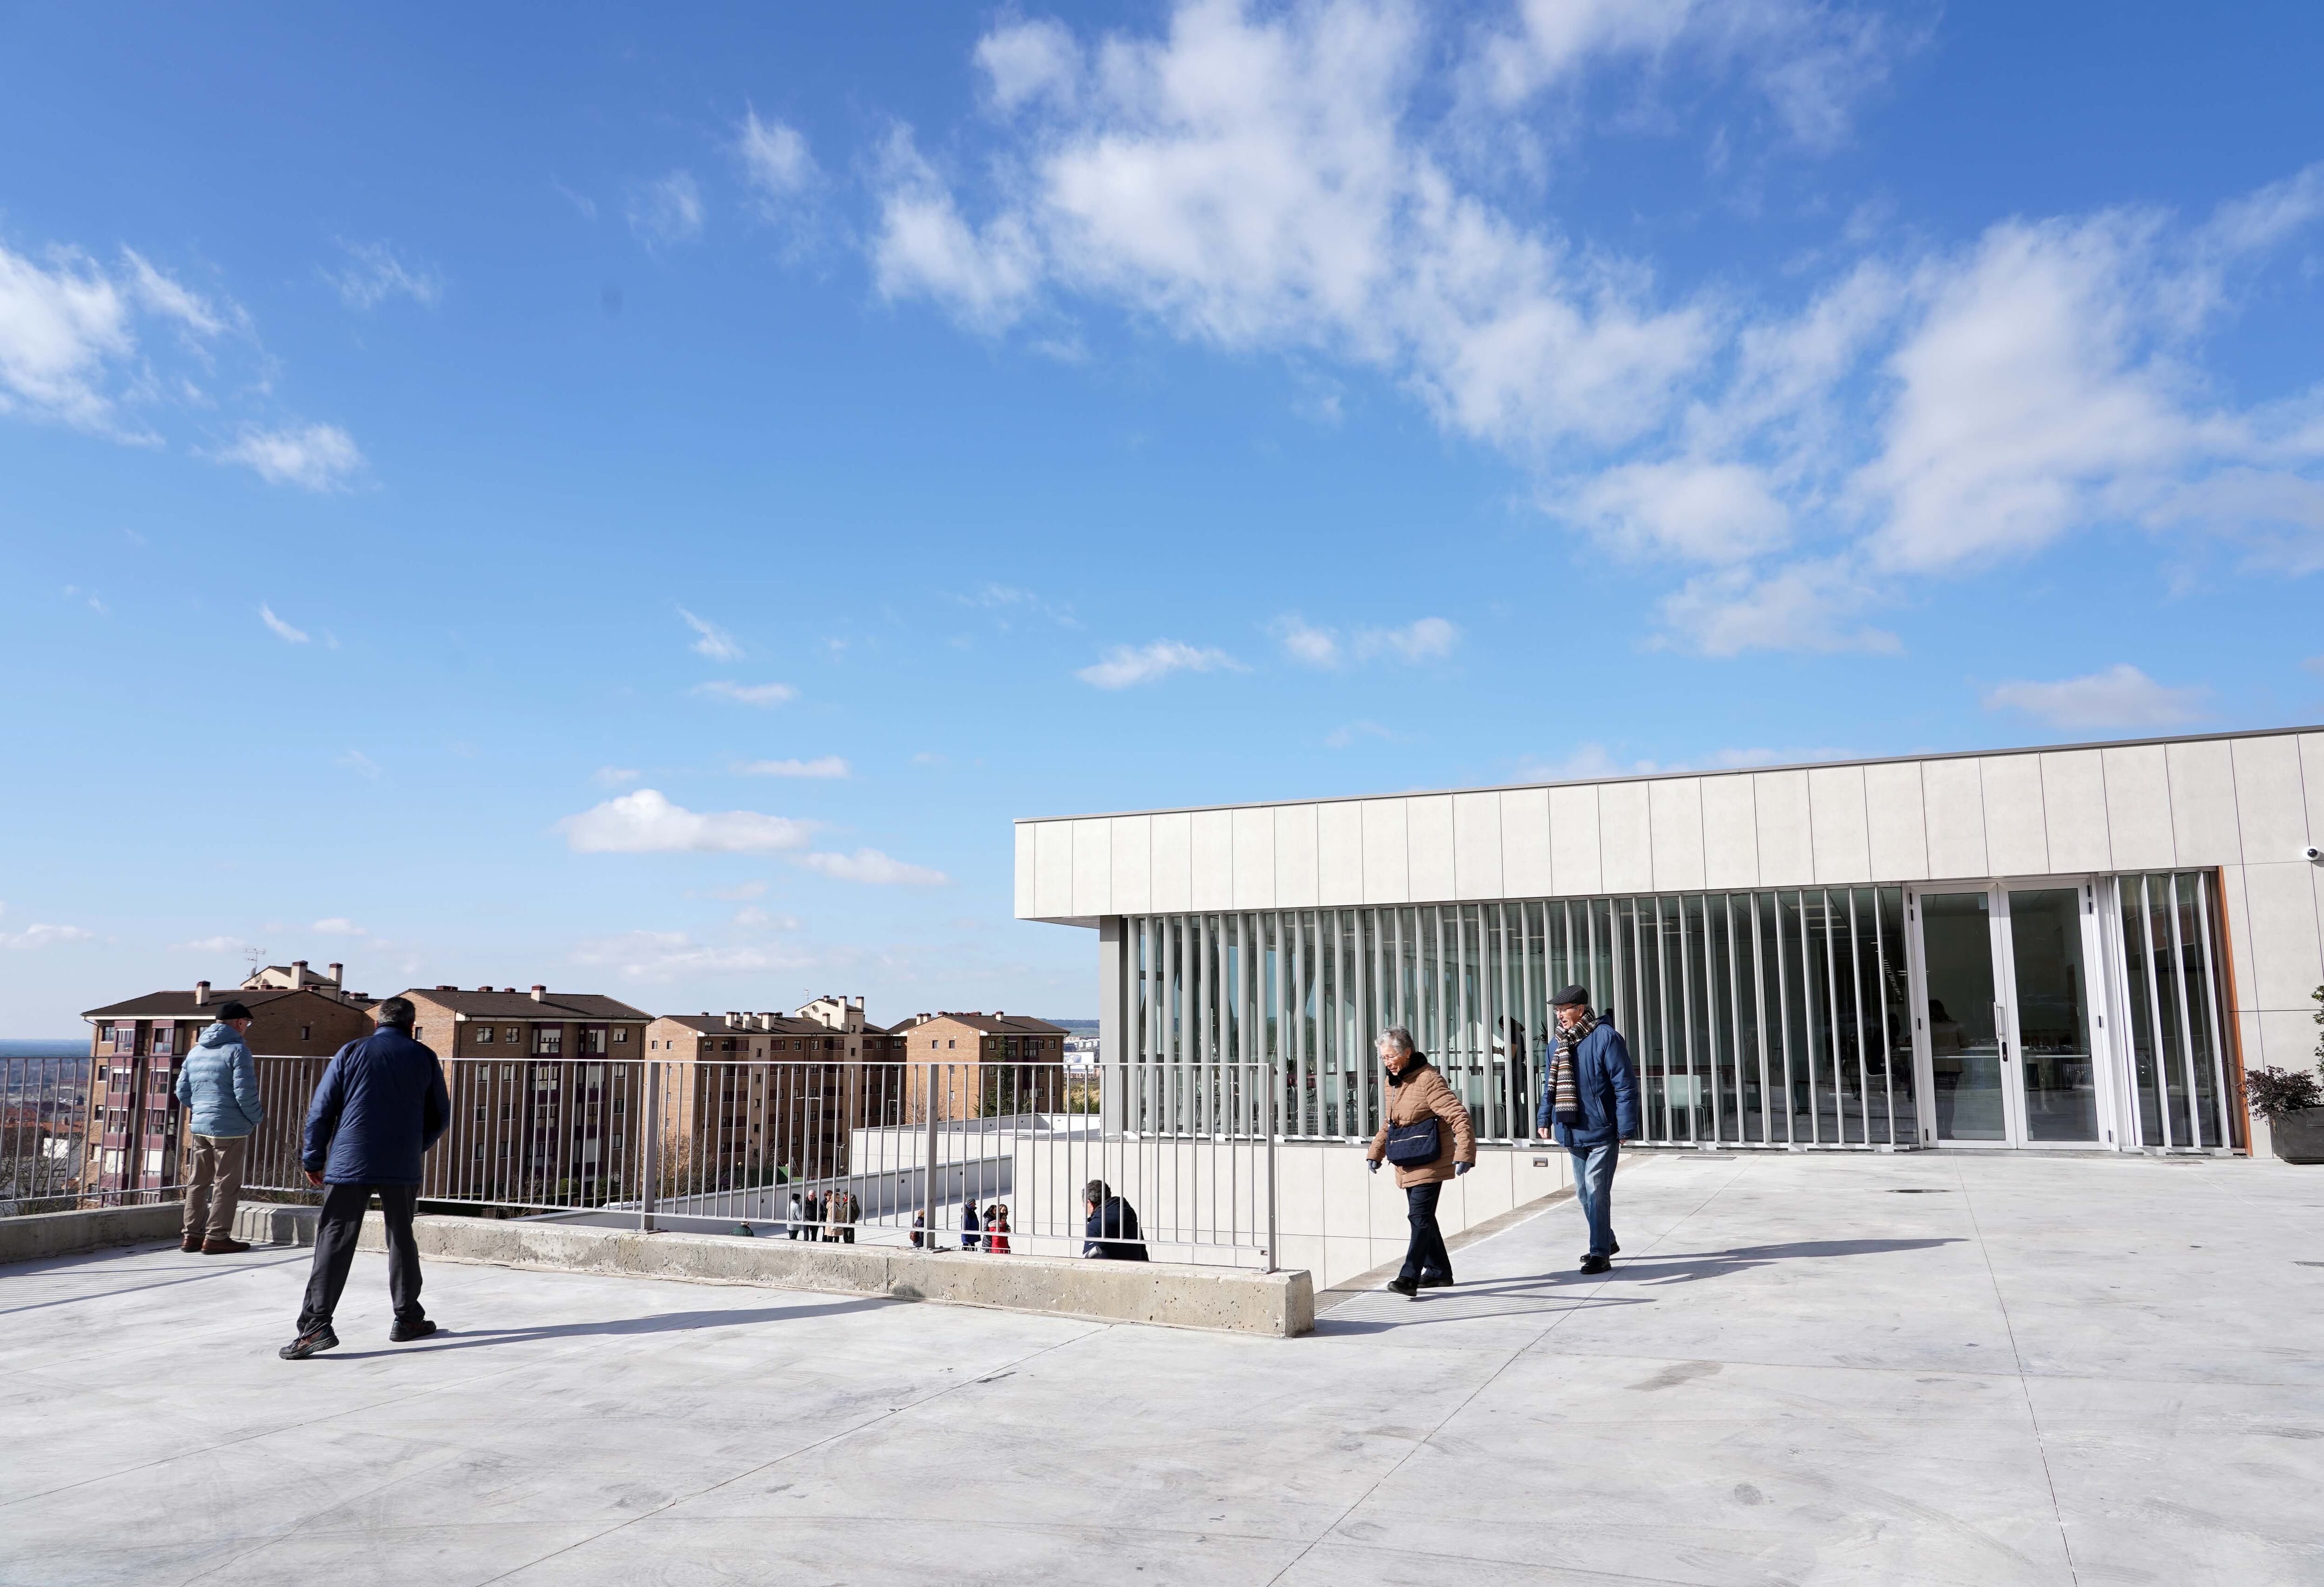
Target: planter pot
[2298,1138]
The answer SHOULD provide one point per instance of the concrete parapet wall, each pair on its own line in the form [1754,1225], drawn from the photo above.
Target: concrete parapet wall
[1171,1294]
[274,1223]
[62,1234]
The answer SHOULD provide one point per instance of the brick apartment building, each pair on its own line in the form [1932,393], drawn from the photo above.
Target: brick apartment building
[137,1046]
[552,1119]
[983,1064]
[746,1094]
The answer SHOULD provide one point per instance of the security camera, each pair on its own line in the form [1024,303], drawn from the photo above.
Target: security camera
[2312,855]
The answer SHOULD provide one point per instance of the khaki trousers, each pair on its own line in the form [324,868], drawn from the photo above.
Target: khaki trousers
[214,1185]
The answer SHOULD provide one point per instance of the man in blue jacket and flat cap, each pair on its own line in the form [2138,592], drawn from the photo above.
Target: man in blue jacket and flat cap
[1590,1099]
[377,1110]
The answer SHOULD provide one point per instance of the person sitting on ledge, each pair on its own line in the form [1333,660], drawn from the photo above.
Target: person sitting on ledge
[1112,1231]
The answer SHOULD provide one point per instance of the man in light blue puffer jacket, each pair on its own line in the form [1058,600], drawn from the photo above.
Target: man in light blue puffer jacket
[219,1089]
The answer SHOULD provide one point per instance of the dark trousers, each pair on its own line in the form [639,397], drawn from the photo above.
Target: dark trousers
[1425,1256]
[334,1250]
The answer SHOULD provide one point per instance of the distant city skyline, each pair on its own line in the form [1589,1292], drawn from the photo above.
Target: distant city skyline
[642,506]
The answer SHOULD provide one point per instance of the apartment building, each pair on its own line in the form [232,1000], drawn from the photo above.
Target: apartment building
[748,1094]
[551,1120]
[136,1047]
[983,1064]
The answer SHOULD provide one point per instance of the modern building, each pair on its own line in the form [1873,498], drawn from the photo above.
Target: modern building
[2078,947]
[136,1047]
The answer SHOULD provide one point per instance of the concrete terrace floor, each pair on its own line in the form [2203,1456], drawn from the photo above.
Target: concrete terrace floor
[2039,1371]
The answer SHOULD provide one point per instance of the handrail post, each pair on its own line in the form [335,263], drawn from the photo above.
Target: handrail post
[1273,1080]
[928,1171]
[650,1148]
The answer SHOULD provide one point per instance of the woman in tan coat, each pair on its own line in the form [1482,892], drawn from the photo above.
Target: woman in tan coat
[1418,1098]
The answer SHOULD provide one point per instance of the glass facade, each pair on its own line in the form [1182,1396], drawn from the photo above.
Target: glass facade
[2171,947]
[1773,1018]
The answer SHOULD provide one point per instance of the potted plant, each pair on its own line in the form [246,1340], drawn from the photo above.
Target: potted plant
[2293,1104]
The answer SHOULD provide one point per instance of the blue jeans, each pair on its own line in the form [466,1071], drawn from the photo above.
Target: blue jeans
[1593,1188]
[1426,1256]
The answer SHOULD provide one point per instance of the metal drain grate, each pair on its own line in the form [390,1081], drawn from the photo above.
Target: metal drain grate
[1919,1190]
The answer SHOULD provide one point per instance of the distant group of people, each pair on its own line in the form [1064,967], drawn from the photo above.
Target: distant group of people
[826,1216]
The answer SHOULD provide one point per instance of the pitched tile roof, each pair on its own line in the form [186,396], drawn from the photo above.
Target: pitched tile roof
[180,1005]
[522,1005]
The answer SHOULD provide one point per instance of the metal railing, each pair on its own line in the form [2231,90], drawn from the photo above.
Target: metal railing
[890,1153]
[53,1153]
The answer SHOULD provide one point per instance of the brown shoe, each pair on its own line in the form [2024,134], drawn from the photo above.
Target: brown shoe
[224,1248]
[190,1243]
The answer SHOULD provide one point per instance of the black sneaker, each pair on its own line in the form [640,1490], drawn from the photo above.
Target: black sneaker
[405,1333]
[1404,1288]
[1428,1283]
[313,1343]
[1594,1263]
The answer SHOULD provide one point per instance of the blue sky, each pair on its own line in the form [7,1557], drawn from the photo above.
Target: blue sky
[639,501]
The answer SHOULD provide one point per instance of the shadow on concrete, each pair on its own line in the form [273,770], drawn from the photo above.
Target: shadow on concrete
[219,1268]
[1551,1288]
[1452,1306]
[1696,1266]
[446,1339]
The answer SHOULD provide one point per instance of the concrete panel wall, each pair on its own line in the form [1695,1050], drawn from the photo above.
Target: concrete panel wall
[2195,802]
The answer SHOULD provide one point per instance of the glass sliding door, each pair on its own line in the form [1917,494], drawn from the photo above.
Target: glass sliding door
[1960,1016]
[2050,998]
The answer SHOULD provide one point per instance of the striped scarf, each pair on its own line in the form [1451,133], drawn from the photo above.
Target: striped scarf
[1566,1087]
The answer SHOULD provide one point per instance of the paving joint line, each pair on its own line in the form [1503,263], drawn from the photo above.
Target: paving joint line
[2024,1387]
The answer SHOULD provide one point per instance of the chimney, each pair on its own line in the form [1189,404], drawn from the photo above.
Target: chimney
[298,974]
[201,994]
[338,974]
[539,993]
[734,1020]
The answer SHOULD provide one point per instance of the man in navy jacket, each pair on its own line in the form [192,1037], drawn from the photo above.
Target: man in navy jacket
[1594,1116]
[377,1110]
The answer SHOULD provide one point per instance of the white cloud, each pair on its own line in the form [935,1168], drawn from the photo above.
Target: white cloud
[647,822]
[2119,697]
[666,211]
[337,925]
[1427,639]
[747,693]
[1025,60]
[68,328]
[1694,510]
[281,630]
[931,758]
[318,457]
[710,639]
[668,955]
[212,945]
[751,915]
[775,157]
[923,248]
[1125,665]
[1306,643]
[374,273]
[39,936]
[869,865]
[1805,606]
[1297,180]
[355,760]
[615,776]
[831,766]
[1810,63]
